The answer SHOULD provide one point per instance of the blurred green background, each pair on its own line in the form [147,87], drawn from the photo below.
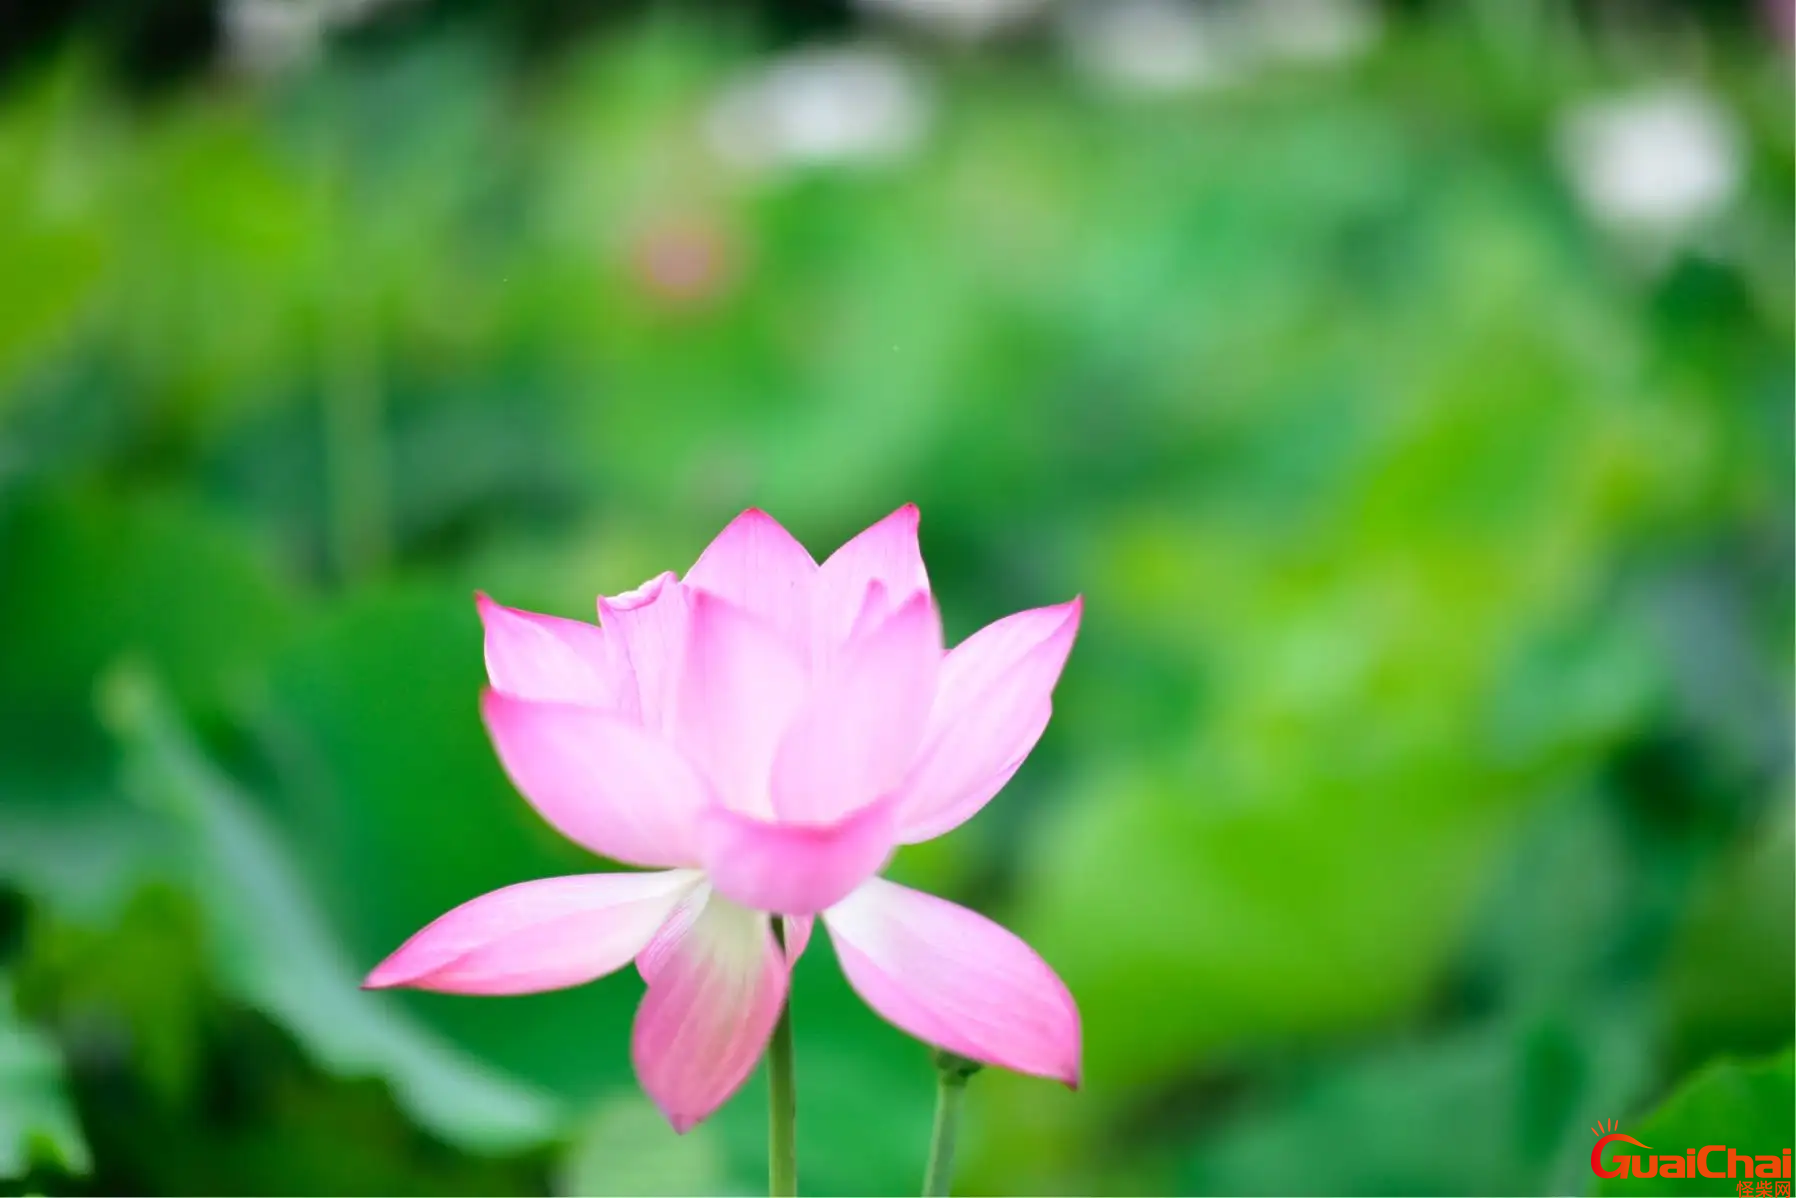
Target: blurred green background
[1407,388]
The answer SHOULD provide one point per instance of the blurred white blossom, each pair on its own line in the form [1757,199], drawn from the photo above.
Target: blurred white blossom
[1183,45]
[1153,45]
[265,36]
[1315,30]
[960,20]
[1652,164]
[821,105]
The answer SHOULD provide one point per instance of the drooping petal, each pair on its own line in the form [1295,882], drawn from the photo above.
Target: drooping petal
[713,997]
[649,961]
[757,565]
[955,979]
[741,687]
[540,935]
[548,658]
[991,704]
[649,625]
[794,869]
[669,935]
[601,781]
[857,733]
[885,553]
[798,936]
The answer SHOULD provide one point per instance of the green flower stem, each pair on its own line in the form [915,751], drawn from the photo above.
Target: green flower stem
[782,1099]
[952,1073]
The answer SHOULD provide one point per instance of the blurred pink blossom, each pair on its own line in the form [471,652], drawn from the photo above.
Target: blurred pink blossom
[762,733]
[1780,15]
[683,261]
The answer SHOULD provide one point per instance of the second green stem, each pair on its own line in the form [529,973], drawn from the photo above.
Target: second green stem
[952,1072]
[782,1099]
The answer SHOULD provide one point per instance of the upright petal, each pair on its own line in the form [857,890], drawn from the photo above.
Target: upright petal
[955,979]
[540,935]
[885,553]
[991,705]
[857,733]
[876,607]
[757,565]
[794,869]
[713,998]
[549,658]
[741,686]
[601,781]
[649,627]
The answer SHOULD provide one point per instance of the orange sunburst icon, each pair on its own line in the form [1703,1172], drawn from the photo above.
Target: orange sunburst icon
[1606,1134]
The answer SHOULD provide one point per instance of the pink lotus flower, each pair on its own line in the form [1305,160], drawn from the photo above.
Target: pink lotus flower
[764,733]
